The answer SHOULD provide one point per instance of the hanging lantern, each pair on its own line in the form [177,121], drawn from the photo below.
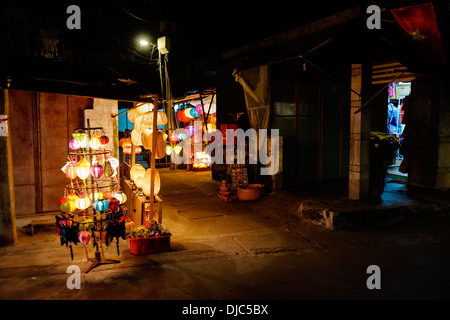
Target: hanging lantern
[147,179]
[136,137]
[160,143]
[123,141]
[101,205]
[139,182]
[199,109]
[61,200]
[187,113]
[190,130]
[182,136]
[136,170]
[83,169]
[71,170]
[194,113]
[68,206]
[181,116]
[95,196]
[169,150]
[83,202]
[114,162]
[108,170]
[119,195]
[177,149]
[82,138]
[94,143]
[96,170]
[74,144]
[132,114]
[113,204]
[104,140]
[144,108]
[127,149]
[161,120]
[84,237]
[173,138]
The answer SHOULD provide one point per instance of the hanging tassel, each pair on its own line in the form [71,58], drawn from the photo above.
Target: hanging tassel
[117,243]
[87,256]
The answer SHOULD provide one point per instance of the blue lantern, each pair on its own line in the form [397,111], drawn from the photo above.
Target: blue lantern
[101,205]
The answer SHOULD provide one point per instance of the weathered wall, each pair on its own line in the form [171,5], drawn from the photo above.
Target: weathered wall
[443,163]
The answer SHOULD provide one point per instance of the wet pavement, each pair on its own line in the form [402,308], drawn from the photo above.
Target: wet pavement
[239,250]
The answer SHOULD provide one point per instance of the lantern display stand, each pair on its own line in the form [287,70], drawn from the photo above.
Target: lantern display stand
[94,194]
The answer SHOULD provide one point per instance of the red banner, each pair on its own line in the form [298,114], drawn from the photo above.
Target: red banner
[420,24]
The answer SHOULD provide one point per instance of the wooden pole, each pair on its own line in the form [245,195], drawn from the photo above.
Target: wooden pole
[152,155]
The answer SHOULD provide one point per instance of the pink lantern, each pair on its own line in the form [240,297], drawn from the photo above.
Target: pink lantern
[71,170]
[96,170]
[84,237]
[190,130]
[199,109]
[74,144]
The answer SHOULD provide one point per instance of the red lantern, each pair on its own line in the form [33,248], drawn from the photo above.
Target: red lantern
[173,137]
[182,116]
[113,204]
[104,140]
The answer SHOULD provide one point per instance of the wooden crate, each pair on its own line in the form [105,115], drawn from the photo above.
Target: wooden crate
[138,205]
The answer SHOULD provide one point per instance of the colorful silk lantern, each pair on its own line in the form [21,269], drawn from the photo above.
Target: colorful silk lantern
[127,149]
[104,140]
[181,116]
[96,170]
[94,143]
[193,112]
[177,149]
[190,130]
[101,205]
[83,202]
[74,144]
[119,195]
[199,109]
[157,182]
[71,170]
[187,113]
[173,137]
[136,137]
[83,169]
[182,136]
[114,162]
[84,237]
[82,138]
[108,170]
[61,200]
[169,150]
[113,204]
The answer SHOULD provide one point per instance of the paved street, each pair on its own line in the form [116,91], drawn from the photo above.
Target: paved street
[238,250]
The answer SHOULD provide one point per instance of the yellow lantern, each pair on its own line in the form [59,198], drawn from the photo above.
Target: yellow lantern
[146,138]
[144,108]
[94,143]
[136,171]
[177,149]
[139,182]
[83,202]
[169,150]
[132,114]
[84,169]
[147,179]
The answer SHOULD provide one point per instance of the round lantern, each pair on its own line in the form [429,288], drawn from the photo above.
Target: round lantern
[194,113]
[147,179]
[187,113]
[119,195]
[73,144]
[103,140]
[61,200]
[127,149]
[96,170]
[181,116]
[123,141]
[190,130]
[146,138]
[67,206]
[71,170]
[84,237]
[95,196]
[83,202]
[83,169]
[199,109]
[136,170]
[173,137]
[161,120]
[94,143]
[139,182]
[136,137]
[182,136]
[113,204]
[101,205]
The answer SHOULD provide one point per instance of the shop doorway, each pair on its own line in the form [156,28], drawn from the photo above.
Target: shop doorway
[398,95]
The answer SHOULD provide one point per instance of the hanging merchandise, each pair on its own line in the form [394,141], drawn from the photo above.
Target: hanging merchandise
[91,196]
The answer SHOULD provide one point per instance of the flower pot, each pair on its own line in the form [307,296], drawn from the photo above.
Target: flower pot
[251,193]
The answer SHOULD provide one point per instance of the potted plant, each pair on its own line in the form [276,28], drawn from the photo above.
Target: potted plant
[383,148]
